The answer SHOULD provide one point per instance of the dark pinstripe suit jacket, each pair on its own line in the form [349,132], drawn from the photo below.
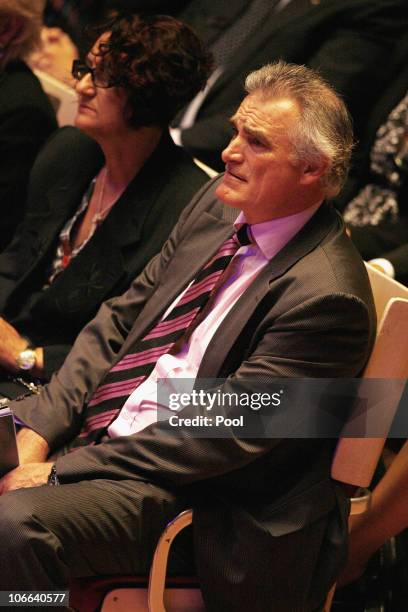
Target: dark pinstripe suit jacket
[265,509]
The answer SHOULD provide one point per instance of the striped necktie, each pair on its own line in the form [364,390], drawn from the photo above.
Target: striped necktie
[134,367]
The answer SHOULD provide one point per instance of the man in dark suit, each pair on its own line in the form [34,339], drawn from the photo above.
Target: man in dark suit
[348,42]
[295,301]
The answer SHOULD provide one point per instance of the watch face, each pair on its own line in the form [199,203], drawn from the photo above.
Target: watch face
[26,359]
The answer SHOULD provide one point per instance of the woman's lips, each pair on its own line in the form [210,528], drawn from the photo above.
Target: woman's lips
[85,107]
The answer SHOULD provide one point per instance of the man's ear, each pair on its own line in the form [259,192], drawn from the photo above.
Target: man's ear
[12,30]
[312,171]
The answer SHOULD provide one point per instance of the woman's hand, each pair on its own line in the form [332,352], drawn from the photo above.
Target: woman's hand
[11,345]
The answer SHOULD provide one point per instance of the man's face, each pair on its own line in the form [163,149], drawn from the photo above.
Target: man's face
[261,177]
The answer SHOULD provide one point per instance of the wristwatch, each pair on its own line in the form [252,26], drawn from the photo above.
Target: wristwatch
[27,359]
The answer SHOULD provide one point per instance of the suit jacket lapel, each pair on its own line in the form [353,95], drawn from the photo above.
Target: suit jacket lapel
[125,227]
[61,201]
[191,255]
[312,234]
[101,263]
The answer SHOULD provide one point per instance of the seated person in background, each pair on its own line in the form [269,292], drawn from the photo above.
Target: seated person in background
[295,302]
[102,199]
[375,200]
[68,21]
[74,16]
[386,516]
[26,115]
[55,55]
[347,41]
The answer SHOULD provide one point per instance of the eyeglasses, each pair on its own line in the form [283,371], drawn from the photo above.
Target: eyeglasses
[99,76]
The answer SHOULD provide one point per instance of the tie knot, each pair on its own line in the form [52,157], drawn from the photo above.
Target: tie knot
[243,235]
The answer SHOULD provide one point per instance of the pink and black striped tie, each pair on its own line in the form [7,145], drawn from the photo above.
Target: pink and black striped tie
[134,367]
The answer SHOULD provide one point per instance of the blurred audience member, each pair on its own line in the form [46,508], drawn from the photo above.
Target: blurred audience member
[65,36]
[102,200]
[56,54]
[75,16]
[26,115]
[72,16]
[348,42]
[375,200]
[386,517]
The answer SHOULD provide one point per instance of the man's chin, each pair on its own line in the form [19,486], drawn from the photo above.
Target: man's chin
[226,196]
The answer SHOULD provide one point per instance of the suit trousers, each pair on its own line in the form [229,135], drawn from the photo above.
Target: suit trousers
[50,534]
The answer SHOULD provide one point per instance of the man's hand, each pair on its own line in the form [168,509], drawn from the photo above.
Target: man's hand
[11,345]
[31,447]
[28,475]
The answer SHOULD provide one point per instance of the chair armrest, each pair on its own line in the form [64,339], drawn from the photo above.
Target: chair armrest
[157,580]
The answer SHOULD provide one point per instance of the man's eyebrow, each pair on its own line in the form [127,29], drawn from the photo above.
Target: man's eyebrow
[258,133]
[254,132]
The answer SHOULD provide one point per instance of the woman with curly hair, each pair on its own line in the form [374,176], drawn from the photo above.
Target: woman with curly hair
[26,115]
[103,196]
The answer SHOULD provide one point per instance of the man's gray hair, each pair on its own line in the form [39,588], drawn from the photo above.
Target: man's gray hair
[325,129]
[31,13]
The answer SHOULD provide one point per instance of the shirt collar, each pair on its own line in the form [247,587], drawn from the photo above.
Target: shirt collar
[272,236]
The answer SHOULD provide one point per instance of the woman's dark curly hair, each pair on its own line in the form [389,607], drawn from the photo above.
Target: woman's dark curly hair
[158,60]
